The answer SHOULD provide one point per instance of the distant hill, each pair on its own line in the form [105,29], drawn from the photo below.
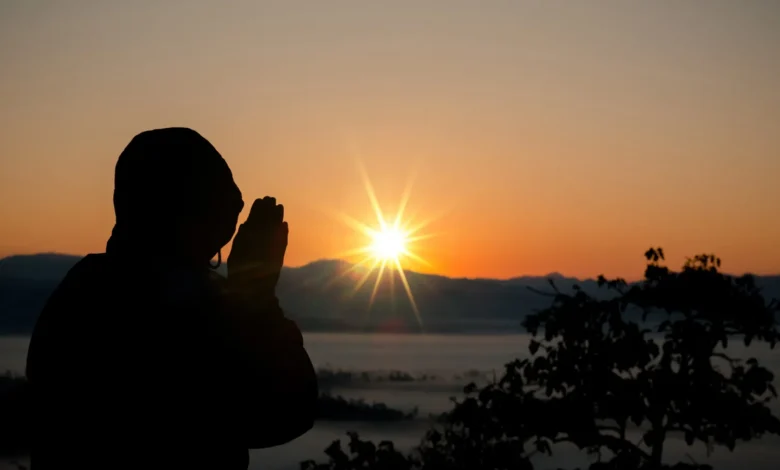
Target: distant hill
[320,297]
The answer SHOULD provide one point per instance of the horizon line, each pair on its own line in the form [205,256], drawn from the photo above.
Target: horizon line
[550,275]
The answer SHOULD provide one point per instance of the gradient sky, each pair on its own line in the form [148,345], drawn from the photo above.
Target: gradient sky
[548,136]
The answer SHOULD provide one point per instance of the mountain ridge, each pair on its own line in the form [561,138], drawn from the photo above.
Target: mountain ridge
[70,259]
[320,296]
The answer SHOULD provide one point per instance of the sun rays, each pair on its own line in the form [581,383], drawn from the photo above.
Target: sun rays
[389,243]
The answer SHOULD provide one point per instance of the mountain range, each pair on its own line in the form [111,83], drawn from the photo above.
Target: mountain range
[322,296]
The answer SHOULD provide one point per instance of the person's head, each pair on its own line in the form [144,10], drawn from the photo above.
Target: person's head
[174,196]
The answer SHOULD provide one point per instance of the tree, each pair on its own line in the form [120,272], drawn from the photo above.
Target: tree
[364,454]
[608,371]
[597,373]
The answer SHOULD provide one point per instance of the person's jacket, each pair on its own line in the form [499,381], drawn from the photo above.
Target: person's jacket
[135,365]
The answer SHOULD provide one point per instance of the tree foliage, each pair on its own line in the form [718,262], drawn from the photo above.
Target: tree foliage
[615,375]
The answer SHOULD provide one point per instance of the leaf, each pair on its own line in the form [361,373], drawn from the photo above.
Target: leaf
[651,255]
[533,346]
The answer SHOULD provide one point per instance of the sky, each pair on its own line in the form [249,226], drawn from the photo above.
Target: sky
[542,136]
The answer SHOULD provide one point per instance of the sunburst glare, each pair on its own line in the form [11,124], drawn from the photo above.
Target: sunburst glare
[389,245]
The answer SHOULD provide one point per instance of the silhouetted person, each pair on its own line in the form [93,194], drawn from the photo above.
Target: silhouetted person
[144,357]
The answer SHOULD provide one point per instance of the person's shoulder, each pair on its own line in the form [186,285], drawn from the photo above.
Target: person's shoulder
[91,272]
[91,264]
[84,281]
[94,260]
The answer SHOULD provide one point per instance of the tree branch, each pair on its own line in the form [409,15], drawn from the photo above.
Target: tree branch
[611,443]
[541,292]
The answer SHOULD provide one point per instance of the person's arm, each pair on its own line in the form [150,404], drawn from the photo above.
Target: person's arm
[277,383]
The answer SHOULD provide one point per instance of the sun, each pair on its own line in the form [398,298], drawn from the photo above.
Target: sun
[389,245]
